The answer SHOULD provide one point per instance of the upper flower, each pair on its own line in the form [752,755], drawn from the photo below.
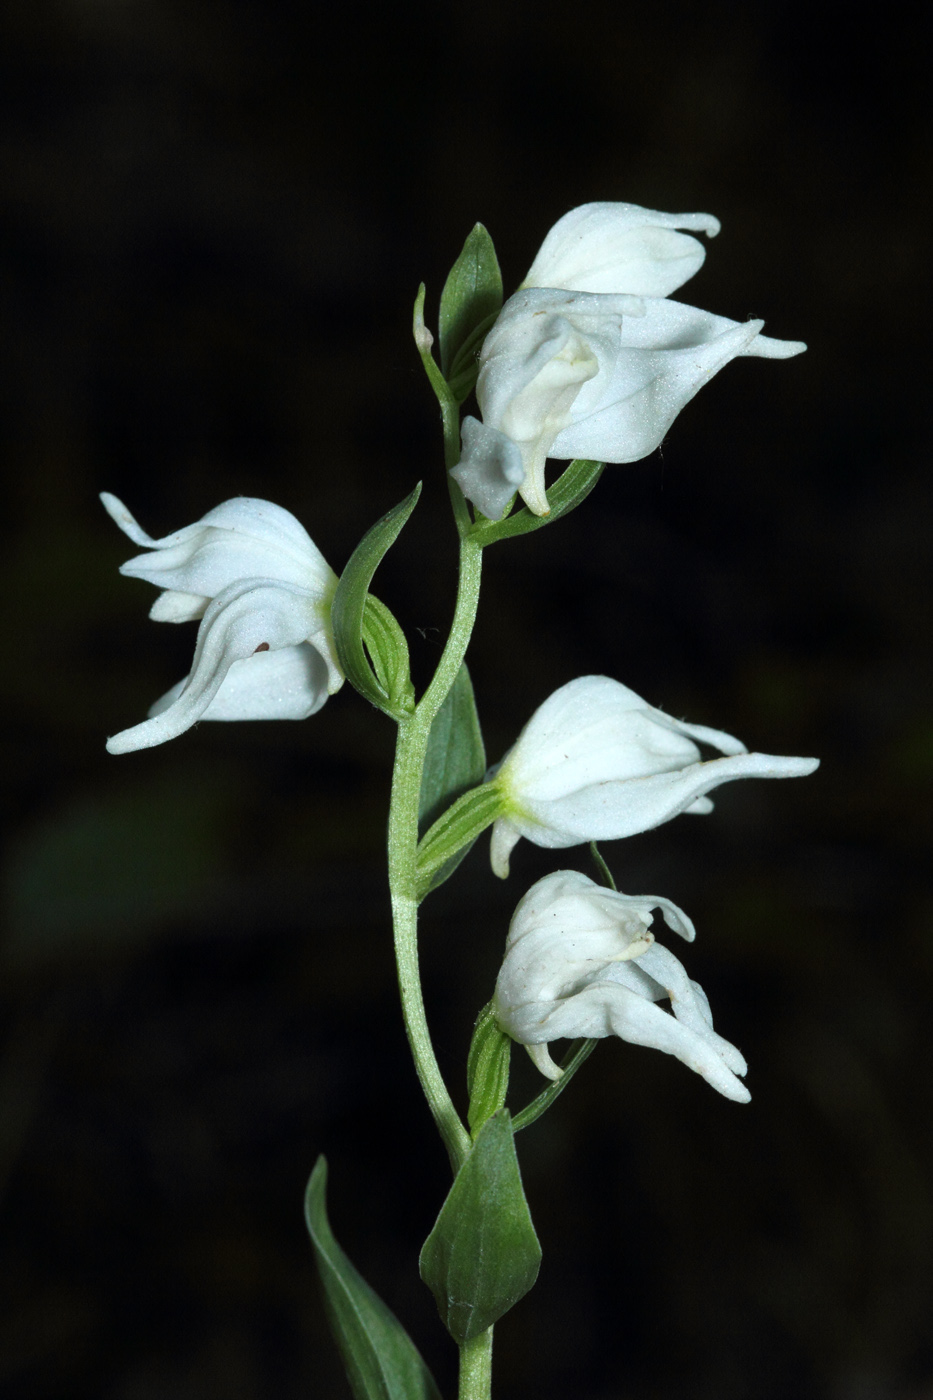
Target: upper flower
[589,359]
[595,762]
[580,961]
[265,649]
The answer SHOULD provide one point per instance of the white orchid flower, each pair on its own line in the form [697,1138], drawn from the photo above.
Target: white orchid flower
[596,763]
[589,358]
[263,592]
[580,961]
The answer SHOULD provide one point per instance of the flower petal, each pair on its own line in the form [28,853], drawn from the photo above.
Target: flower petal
[241,538]
[608,810]
[593,729]
[690,1009]
[290,683]
[604,1009]
[595,762]
[613,247]
[172,606]
[490,469]
[249,616]
[664,360]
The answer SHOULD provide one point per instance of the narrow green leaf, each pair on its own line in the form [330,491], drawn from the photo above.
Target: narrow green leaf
[580,1051]
[350,608]
[455,831]
[487,1069]
[382,1361]
[472,294]
[455,758]
[570,489]
[483,1253]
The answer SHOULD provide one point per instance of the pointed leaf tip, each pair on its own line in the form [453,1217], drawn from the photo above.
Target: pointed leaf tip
[483,1254]
[381,1360]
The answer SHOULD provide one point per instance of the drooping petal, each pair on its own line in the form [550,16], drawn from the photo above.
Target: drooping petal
[290,683]
[250,616]
[610,810]
[691,1009]
[241,538]
[490,469]
[613,247]
[602,1009]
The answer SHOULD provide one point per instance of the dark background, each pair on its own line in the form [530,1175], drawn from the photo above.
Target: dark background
[215,217]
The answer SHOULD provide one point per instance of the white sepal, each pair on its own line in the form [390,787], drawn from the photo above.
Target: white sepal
[580,960]
[290,683]
[241,538]
[246,620]
[607,247]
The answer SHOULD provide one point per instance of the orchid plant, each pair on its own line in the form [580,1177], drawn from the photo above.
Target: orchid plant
[589,361]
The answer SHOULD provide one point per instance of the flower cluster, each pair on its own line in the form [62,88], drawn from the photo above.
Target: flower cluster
[590,358]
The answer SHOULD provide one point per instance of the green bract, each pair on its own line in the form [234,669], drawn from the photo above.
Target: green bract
[470,302]
[487,1069]
[382,1361]
[359,618]
[483,1253]
[570,490]
[455,831]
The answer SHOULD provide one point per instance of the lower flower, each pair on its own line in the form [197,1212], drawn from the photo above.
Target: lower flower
[580,960]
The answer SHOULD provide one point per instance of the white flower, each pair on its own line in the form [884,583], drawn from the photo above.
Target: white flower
[595,763]
[589,359]
[580,961]
[263,591]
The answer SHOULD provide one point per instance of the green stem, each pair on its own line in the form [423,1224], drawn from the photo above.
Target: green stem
[402,850]
[413,733]
[476,1367]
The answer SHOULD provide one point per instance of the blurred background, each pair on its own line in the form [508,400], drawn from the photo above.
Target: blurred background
[214,219]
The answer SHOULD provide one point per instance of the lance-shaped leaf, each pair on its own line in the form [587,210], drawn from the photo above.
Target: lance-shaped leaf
[389,688]
[382,1361]
[483,1253]
[454,762]
[471,299]
[456,758]
[454,832]
[487,1068]
[570,490]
